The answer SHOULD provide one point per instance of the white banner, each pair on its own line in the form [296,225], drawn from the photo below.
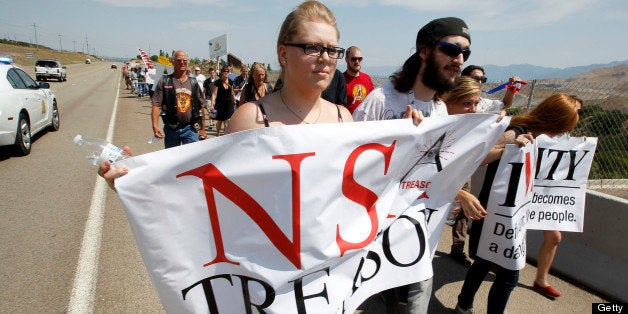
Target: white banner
[218,46]
[307,218]
[562,170]
[503,238]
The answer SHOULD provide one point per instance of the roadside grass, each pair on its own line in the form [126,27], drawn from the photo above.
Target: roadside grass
[18,53]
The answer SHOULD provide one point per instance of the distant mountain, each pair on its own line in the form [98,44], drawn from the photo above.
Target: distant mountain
[529,72]
[497,73]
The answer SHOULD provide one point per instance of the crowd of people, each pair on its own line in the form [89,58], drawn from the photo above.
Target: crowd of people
[432,82]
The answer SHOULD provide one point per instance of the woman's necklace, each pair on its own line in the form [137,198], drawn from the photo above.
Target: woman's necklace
[263,89]
[295,114]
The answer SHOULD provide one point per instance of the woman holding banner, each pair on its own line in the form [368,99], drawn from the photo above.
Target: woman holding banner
[555,115]
[551,238]
[307,52]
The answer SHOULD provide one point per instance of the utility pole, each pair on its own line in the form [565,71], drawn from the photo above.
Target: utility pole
[60,46]
[36,44]
[87,44]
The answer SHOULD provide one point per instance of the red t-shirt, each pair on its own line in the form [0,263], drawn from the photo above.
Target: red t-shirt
[357,89]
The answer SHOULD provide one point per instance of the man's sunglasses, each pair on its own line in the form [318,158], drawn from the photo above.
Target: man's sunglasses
[453,50]
[481,79]
[354,59]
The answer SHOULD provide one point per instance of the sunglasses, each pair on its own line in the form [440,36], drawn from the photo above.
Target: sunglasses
[181,60]
[225,71]
[453,50]
[481,79]
[317,50]
[354,59]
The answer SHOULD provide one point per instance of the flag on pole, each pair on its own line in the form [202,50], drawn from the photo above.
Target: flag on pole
[218,46]
[146,58]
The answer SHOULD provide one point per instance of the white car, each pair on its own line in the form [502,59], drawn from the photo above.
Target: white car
[26,108]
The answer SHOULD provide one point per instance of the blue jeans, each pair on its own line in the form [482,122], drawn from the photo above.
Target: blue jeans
[505,281]
[179,136]
[419,294]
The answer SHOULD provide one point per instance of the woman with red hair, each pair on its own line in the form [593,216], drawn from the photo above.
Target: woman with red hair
[555,115]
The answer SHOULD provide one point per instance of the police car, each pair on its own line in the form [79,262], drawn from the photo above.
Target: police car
[26,108]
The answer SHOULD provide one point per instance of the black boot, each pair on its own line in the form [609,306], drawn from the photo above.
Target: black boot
[457,253]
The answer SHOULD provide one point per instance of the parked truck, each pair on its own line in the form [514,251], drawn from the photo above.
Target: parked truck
[50,69]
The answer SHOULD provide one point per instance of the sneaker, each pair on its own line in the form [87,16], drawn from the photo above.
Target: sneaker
[548,291]
[460,310]
[461,258]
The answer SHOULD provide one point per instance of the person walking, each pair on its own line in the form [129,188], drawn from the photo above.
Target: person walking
[359,84]
[223,99]
[442,47]
[178,100]
[257,85]
[555,115]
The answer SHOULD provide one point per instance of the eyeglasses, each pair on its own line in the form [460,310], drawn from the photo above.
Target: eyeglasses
[481,79]
[453,50]
[317,50]
[181,60]
[354,59]
[225,70]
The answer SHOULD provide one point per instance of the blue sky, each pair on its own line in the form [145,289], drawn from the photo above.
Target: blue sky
[546,33]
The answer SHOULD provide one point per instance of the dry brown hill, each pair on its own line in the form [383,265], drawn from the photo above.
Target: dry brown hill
[18,53]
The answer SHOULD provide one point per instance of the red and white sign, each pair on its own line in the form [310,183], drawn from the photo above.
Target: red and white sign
[503,238]
[301,218]
[146,58]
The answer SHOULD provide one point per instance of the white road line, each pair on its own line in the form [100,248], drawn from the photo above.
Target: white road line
[84,287]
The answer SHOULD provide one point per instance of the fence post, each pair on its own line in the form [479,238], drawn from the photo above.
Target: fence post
[531,94]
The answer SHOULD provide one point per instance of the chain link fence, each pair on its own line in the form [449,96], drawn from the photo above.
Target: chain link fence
[605,117]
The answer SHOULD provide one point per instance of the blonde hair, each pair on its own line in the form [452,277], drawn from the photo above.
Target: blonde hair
[308,11]
[555,115]
[464,87]
[256,67]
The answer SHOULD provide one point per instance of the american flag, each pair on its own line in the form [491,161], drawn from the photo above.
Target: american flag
[145,58]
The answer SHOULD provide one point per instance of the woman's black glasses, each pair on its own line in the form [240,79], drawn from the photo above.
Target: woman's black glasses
[317,50]
[453,50]
[481,79]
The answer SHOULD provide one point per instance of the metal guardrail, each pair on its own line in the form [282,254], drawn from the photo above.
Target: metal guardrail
[605,117]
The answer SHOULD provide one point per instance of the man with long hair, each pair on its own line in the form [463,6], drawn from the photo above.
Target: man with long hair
[442,47]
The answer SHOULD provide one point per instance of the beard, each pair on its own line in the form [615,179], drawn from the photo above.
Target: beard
[433,78]
[354,69]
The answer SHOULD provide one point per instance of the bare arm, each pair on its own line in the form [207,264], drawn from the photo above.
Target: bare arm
[509,137]
[246,117]
[154,115]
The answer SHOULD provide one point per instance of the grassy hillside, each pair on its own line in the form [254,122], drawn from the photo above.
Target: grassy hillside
[18,52]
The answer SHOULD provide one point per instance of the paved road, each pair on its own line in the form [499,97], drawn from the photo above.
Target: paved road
[46,198]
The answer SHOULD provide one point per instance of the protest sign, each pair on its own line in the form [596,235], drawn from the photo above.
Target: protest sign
[218,46]
[503,237]
[562,170]
[294,219]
